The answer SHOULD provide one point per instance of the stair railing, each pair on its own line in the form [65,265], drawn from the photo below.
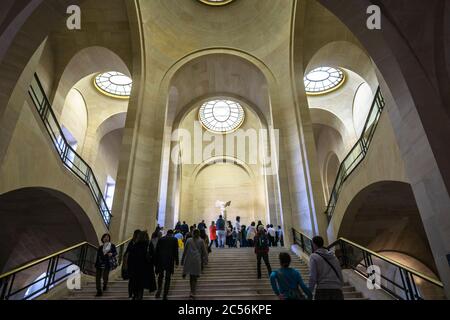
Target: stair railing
[401,282]
[22,283]
[68,155]
[358,152]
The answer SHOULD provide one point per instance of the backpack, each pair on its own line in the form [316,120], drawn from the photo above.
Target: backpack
[220,224]
[263,242]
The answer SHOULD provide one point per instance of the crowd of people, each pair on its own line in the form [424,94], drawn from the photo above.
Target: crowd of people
[232,235]
[149,262]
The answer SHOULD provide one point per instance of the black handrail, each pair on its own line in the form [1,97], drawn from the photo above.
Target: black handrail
[68,155]
[18,284]
[401,282]
[358,152]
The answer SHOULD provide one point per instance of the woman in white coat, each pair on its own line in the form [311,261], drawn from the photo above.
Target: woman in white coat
[194,253]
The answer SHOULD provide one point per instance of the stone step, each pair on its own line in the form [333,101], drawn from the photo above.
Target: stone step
[229,275]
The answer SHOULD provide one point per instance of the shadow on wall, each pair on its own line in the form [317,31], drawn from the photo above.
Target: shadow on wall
[384,218]
[37,222]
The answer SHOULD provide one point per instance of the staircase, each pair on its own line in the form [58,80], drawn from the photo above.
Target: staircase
[230,275]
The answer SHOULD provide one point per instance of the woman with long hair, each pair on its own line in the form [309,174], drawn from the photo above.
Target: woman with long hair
[106,262]
[125,274]
[141,266]
[193,255]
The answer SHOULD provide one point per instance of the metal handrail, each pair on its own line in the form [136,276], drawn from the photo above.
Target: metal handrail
[38,261]
[408,274]
[363,144]
[389,260]
[8,280]
[77,165]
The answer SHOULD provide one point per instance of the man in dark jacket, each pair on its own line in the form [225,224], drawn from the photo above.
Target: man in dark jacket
[262,250]
[184,228]
[166,259]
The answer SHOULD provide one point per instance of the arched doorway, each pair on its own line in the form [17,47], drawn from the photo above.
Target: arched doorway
[37,222]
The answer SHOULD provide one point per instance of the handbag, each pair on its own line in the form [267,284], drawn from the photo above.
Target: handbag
[292,294]
[113,263]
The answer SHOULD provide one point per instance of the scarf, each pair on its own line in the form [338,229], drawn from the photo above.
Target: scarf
[106,247]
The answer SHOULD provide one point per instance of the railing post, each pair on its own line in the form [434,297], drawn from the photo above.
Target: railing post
[48,275]
[408,283]
[4,285]
[82,259]
[302,239]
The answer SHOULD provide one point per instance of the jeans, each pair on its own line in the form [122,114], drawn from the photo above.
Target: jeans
[214,241]
[99,275]
[265,257]
[164,274]
[221,235]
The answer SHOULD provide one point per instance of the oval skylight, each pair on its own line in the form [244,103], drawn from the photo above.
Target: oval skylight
[114,84]
[216,2]
[323,80]
[221,116]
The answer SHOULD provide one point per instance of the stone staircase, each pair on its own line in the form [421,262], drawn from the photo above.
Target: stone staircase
[229,275]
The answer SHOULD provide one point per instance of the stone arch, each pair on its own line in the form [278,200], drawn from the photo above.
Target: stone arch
[347,55]
[329,119]
[224,159]
[88,61]
[29,215]
[232,64]
[330,171]
[237,69]
[384,216]
[418,112]
[114,122]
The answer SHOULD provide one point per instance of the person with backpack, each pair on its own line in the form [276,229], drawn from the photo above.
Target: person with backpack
[221,232]
[325,273]
[286,281]
[202,225]
[184,228]
[262,250]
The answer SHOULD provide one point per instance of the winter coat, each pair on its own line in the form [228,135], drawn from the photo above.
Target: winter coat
[193,255]
[166,254]
[141,265]
[104,261]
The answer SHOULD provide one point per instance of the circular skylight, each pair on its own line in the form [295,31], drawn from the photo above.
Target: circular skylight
[216,2]
[323,80]
[221,116]
[114,84]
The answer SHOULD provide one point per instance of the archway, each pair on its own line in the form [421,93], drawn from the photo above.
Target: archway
[37,222]
[384,217]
